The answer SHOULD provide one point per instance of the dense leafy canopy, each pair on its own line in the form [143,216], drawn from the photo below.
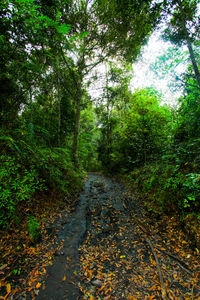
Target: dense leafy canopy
[66,108]
[52,130]
[183,27]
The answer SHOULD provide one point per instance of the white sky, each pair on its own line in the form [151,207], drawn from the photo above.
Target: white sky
[144,77]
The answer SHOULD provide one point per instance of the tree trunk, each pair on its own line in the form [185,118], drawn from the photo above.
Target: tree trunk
[59,120]
[80,68]
[108,129]
[193,60]
[59,113]
[189,45]
[77,122]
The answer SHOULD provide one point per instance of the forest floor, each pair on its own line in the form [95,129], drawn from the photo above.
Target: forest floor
[107,247]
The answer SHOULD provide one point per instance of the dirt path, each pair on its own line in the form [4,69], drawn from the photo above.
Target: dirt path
[105,252]
[60,276]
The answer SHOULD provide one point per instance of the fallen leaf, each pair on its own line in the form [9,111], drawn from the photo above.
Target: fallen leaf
[8,288]
[64,278]
[3,267]
[108,290]
[38,285]
[101,288]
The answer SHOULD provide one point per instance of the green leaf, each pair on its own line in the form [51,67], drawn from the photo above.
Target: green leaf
[64,29]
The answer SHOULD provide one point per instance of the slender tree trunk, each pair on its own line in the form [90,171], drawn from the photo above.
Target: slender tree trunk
[81,66]
[189,45]
[109,132]
[59,113]
[59,120]
[77,122]
[193,60]
[31,126]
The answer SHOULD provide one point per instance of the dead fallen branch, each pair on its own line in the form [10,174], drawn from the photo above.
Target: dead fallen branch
[144,230]
[180,262]
[163,289]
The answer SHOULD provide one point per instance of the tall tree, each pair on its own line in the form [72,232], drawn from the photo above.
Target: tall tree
[79,35]
[183,27]
[104,29]
[110,110]
[25,51]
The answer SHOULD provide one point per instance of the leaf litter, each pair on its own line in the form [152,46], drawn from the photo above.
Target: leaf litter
[116,261]
[116,254]
[23,264]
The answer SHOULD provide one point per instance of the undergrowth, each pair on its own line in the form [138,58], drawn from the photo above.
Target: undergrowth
[171,188]
[27,171]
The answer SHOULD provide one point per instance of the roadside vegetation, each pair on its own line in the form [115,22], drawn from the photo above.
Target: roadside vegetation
[53,131]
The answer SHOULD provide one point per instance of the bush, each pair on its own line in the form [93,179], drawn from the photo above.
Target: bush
[17,184]
[169,187]
[56,168]
[33,229]
[26,169]
[191,190]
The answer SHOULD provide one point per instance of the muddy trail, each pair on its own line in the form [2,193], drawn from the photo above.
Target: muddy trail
[111,248]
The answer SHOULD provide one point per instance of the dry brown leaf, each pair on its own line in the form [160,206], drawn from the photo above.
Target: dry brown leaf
[132,298]
[152,297]
[108,290]
[8,288]
[101,288]
[38,285]
[64,278]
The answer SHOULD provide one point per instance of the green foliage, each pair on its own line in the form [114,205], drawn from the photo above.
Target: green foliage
[17,184]
[48,49]
[170,67]
[191,188]
[184,190]
[26,170]
[168,186]
[184,21]
[41,119]
[128,23]
[88,141]
[183,28]
[56,168]
[145,128]
[135,135]
[33,229]
[187,132]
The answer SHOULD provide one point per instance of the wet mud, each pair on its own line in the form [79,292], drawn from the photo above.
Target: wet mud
[104,254]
